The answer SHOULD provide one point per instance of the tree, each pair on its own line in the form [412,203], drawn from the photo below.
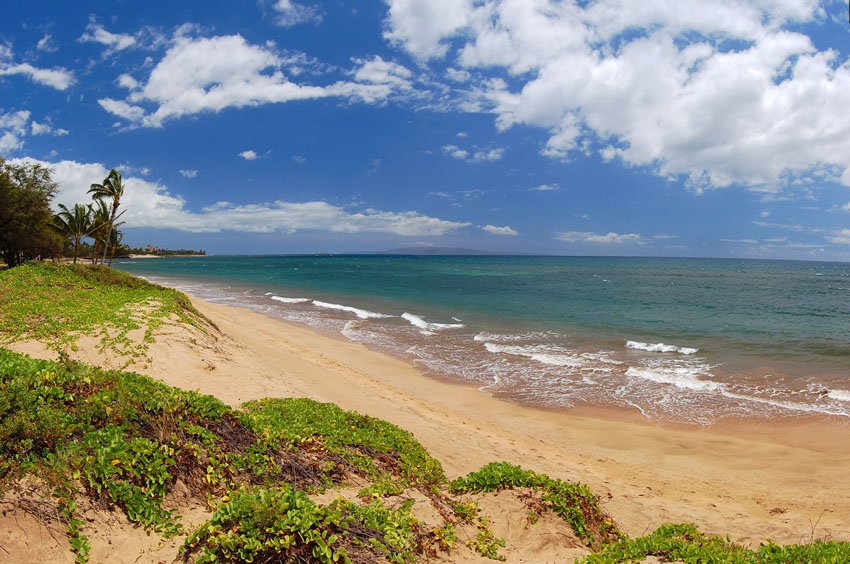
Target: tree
[99,230]
[26,222]
[75,224]
[112,190]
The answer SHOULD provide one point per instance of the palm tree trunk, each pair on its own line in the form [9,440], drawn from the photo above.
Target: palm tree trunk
[76,248]
[106,242]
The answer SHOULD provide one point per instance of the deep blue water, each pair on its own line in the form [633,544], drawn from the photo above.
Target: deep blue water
[554,330]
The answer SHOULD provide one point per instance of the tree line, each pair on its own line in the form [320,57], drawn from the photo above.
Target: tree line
[30,230]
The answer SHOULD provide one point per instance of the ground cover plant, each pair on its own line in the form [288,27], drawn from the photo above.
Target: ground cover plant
[56,304]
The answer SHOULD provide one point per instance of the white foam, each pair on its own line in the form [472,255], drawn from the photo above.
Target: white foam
[427,328]
[684,377]
[659,347]
[290,300]
[513,338]
[552,356]
[361,313]
[839,395]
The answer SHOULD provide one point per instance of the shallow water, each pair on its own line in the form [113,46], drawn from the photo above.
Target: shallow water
[685,340]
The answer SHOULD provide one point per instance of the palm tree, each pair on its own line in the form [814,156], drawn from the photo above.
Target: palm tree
[100,223]
[115,238]
[76,224]
[111,189]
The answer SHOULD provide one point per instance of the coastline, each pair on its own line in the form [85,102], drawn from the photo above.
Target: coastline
[756,482]
[771,481]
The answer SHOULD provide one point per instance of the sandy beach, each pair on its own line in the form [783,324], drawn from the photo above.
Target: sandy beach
[755,481]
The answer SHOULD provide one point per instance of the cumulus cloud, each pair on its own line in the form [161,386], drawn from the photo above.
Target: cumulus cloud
[58,78]
[717,93]
[249,155]
[423,28]
[150,204]
[13,128]
[188,173]
[506,230]
[199,74]
[609,238]
[291,13]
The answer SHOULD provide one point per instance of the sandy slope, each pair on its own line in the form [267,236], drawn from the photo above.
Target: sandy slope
[769,481]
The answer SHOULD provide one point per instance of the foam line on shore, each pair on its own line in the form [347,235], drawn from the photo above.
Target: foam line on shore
[360,313]
[427,328]
[290,300]
[659,347]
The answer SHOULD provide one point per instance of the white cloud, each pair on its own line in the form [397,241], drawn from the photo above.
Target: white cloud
[122,109]
[37,128]
[10,142]
[692,89]
[458,75]
[46,44]
[249,155]
[375,80]
[839,237]
[545,188]
[58,78]
[13,127]
[128,82]
[455,152]
[15,121]
[292,13]
[299,159]
[472,156]
[188,173]
[114,42]
[211,74]
[488,155]
[506,230]
[150,204]
[610,238]
[423,27]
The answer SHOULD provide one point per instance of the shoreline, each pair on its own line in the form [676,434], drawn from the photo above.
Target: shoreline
[754,482]
[773,481]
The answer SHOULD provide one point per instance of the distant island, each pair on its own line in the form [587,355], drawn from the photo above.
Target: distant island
[424,250]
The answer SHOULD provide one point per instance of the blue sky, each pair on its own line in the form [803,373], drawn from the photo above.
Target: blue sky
[607,127]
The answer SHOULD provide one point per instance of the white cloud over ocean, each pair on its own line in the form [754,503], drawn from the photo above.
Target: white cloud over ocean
[150,204]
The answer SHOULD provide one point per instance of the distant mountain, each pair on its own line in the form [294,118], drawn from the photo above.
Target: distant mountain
[428,251]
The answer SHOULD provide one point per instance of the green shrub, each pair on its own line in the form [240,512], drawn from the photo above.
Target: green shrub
[375,446]
[575,503]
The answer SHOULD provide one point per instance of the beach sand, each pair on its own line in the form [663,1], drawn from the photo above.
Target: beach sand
[756,481]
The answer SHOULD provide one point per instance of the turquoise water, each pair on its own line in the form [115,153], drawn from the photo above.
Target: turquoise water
[678,339]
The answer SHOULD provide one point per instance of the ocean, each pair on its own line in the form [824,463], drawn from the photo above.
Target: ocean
[690,341]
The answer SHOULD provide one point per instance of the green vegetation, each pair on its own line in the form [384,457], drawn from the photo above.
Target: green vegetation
[125,440]
[124,251]
[575,503]
[675,543]
[57,304]
[109,192]
[76,224]
[26,222]
[389,456]
[89,437]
